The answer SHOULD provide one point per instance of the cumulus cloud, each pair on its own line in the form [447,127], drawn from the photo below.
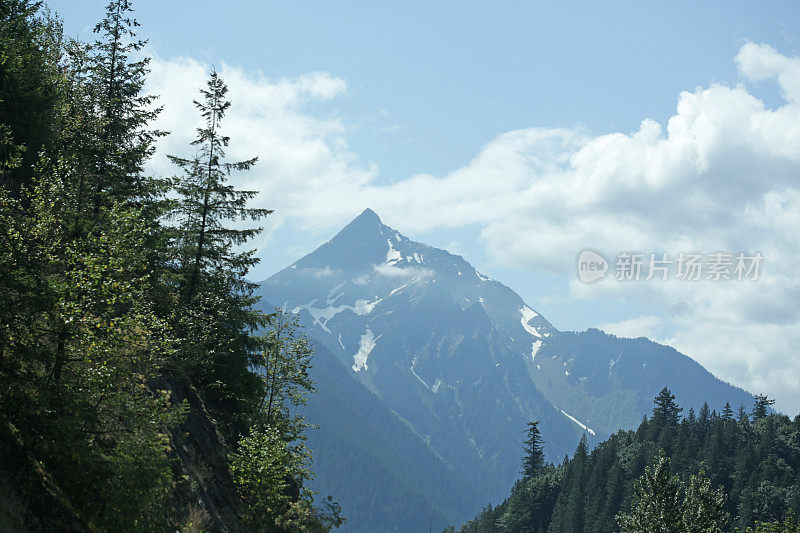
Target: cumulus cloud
[301,157]
[640,326]
[720,175]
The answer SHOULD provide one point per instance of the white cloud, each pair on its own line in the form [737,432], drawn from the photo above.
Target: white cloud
[454,247]
[319,272]
[391,271]
[720,175]
[301,158]
[641,326]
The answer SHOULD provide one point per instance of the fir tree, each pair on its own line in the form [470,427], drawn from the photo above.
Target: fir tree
[727,412]
[217,317]
[126,141]
[666,412]
[761,406]
[207,201]
[533,458]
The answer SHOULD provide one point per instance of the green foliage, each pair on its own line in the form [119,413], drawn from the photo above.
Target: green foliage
[272,463]
[788,525]
[666,412]
[264,467]
[214,316]
[284,370]
[704,507]
[206,200]
[107,308]
[723,474]
[125,141]
[533,455]
[29,89]
[658,507]
[76,353]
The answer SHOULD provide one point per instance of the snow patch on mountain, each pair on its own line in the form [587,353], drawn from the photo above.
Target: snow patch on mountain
[401,287]
[392,256]
[581,424]
[321,315]
[419,378]
[363,307]
[535,349]
[529,314]
[365,346]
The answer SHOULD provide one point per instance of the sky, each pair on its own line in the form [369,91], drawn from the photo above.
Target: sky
[518,135]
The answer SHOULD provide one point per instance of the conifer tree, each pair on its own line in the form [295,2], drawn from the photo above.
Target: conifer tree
[666,412]
[207,201]
[126,141]
[727,412]
[533,458]
[761,406]
[216,314]
[29,89]
[741,415]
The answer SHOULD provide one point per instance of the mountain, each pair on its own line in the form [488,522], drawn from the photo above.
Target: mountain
[464,362]
[375,464]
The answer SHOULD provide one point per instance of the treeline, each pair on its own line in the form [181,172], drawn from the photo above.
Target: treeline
[139,387]
[703,472]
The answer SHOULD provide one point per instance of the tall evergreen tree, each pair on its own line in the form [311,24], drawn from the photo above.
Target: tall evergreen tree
[727,412]
[216,315]
[126,139]
[666,412]
[761,406]
[29,89]
[533,454]
[207,201]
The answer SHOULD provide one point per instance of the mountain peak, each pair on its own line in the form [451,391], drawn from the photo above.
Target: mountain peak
[360,244]
[369,214]
[367,218]
[365,223]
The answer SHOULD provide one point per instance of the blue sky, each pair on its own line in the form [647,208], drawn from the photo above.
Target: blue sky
[438,90]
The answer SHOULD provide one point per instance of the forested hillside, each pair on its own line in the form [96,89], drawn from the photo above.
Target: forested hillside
[704,471]
[128,336]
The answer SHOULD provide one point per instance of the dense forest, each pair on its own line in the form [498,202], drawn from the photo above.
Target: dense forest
[129,339]
[702,472]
